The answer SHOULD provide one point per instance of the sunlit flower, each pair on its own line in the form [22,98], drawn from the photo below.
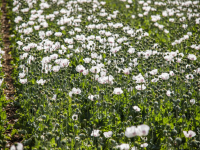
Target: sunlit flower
[111,40]
[140,87]
[192,101]
[56,68]
[87,60]
[117,91]
[95,133]
[23,81]
[192,57]
[54,56]
[123,147]
[126,71]
[142,130]
[168,93]
[64,63]
[95,69]
[168,58]
[164,76]
[1,81]
[58,34]
[80,68]
[22,75]
[139,79]
[171,73]
[136,108]
[131,131]
[153,72]
[85,72]
[19,146]
[178,60]
[154,79]
[189,134]
[189,76]
[18,19]
[134,148]
[76,91]
[144,145]
[54,97]
[108,134]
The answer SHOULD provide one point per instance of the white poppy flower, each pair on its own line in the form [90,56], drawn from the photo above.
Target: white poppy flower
[171,73]
[192,101]
[56,68]
[164,76]
[41,81]
[76,91]
[144,145]
[154,79]
[134,148]
[117,91]
[95,133]
[189,134]
[95,69]
[192,57]
[23,81]
[168,58]
[108,134]
[136,108]
[123,147]
[111,40]
[153,72]
[80,68]
[198,71]
[54,97]
[19,146]
[22,75]
[87,60]
[64,63]
[189,76]
[126,71]
[131,131]
[168,93]
[140,87]
[1,81]
[140,79]
[85,72]
[142,130]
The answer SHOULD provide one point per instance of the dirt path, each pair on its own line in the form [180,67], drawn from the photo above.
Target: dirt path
[7,68]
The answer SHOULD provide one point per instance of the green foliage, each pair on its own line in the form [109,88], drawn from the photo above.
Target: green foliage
[51,117]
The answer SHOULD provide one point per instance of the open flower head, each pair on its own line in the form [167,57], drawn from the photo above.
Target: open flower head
[189,134]
[123,147]
[95,133]
[118,91]
[136,108]
[108,134]
[143,130]
[131,132]
[18,146]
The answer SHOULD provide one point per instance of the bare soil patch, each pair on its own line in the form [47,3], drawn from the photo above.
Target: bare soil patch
[7,68]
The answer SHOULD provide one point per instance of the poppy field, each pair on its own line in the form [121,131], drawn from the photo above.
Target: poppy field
[103,75]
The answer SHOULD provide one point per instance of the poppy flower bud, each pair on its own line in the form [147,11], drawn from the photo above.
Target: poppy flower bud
[75,127]
[178,141]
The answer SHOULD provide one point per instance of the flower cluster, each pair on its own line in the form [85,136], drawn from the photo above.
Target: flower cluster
[86,70]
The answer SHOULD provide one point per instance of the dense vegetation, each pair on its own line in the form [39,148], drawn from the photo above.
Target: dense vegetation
[106,74]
